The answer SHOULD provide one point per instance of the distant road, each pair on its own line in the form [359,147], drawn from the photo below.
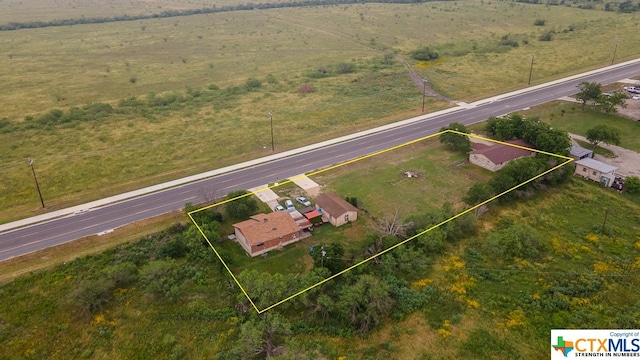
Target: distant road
[73,226]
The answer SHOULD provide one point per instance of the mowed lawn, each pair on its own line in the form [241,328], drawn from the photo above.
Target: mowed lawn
[569,116]
[379,182]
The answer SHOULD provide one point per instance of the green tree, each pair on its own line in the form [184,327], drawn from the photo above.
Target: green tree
[589,91]
[433,241]
[515,241]
[332,259]
[515,173]
[506,127]
[262,337]
[204,216]
[457,142]
[265,288]
[199,247]
[424,54]
[632,185]
[242,207]
[554,141]
[365,303]
[608,102]
[603,133]
[477,193]
[535,131]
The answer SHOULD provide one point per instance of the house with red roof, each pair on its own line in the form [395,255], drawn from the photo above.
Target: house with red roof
[495,156]
[265,232]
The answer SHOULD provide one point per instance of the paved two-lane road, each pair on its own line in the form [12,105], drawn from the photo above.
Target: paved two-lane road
[94,221]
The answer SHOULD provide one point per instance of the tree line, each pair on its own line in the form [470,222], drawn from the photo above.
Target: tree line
[515,126]
[205,10]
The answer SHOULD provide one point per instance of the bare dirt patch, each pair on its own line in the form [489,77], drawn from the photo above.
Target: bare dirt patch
[632,111]
[627,161]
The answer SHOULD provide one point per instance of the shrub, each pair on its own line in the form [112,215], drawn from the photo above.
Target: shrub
[539,22]
[508,42]
[424,54]
[131,101]
[632,185]
[515,241]
[388,58]
[306,89]
[345,68]
[253,83]
[5,126]
[271,79]
[352,200]
[546,37]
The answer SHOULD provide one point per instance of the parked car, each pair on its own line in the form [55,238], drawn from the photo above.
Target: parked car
[278,208]
[636,97]
[303,200]
[289,204]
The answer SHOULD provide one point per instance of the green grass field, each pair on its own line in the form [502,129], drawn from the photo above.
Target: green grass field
[485,306]
[376,181]
[581,280]
[569,116]
[283,48]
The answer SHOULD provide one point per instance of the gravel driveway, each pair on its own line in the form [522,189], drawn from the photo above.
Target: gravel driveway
[627,161]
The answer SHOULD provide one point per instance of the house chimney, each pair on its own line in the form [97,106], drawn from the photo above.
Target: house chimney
[266,220]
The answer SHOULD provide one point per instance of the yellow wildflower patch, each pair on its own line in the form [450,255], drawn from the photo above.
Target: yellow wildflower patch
[580,301]
[444,333]
[592,238]
[516,319]
[453,263]
[99,319]
[473,304]
[419,284]
[602,267]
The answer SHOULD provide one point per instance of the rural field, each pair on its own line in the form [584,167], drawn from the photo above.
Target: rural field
[187,94]
[568,116]
[540,262]
[375,181]
[114,106]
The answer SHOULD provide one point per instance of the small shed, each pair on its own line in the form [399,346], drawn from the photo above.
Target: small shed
[336,209]
[577,152]
[597,171]
[315,217]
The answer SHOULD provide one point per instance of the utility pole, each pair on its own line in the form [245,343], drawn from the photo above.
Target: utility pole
[271,120]
[604,223]
[614,50]
[424,92]
[531,69]
[36,180]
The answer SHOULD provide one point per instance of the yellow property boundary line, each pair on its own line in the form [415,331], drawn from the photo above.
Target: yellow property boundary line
[259,311]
